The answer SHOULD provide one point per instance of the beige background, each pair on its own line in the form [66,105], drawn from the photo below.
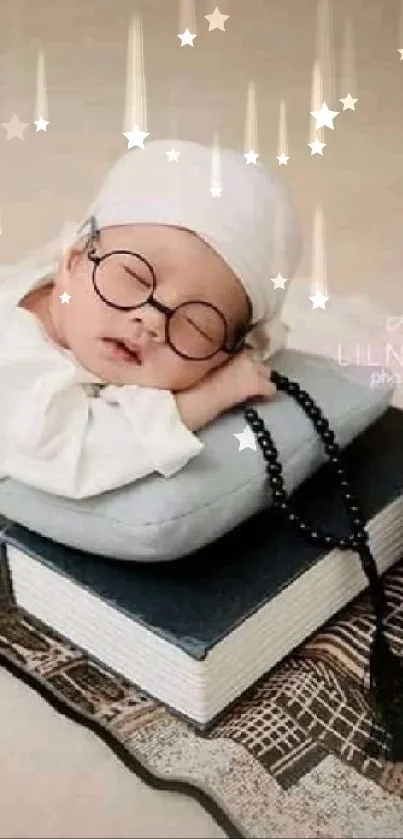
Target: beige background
[56,779]
[358,181]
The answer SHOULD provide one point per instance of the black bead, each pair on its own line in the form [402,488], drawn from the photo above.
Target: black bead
[332,449]
[354,509]
[275,469]
[348,497]
[257,425]
[345,486]
[278,378]
[272,470]
[361,537]
[358,540]
[358,524]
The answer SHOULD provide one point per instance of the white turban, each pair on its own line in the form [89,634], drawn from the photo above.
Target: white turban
[251,225]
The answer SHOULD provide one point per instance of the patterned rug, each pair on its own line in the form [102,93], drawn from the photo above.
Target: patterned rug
[287,760]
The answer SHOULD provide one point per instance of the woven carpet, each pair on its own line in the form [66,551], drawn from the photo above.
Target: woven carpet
[287,760]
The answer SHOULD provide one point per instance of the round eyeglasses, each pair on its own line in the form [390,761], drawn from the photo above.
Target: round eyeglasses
[195,330]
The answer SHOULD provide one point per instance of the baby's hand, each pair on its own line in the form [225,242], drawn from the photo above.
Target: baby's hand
[243,378]
[238,380]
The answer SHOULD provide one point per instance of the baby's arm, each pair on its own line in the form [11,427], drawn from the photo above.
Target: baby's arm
[65,442]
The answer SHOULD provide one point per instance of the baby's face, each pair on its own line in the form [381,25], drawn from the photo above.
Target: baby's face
[186,269]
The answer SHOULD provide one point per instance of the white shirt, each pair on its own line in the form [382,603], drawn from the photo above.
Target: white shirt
[61,433]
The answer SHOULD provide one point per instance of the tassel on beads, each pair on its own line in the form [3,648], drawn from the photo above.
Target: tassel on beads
[386,694]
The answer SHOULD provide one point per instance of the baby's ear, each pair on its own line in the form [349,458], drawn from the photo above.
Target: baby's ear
[72,258]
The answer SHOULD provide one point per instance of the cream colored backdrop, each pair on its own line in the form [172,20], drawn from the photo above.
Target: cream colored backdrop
[50,176]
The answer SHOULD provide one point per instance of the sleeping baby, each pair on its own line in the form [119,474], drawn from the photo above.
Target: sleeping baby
[155,320]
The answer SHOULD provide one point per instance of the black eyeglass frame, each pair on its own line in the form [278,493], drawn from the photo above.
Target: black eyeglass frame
[96,259]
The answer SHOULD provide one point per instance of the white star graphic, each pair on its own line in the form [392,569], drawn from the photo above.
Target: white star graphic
[135,137]
[279,281]
[187,38]
[283,160]
[173,155]
[317,147]
[348,103]
[319,300]
[251,157]
[216,20]
[324,117]
[65,298]
[246,439]
[15,128]
[41,124]
[216,191]
[401,55]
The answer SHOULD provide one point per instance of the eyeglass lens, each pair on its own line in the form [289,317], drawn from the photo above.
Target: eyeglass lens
[195,329]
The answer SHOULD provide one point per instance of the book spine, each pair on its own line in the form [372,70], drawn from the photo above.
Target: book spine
[7,599]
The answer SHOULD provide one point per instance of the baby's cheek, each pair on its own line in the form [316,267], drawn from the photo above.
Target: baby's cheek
[86,314]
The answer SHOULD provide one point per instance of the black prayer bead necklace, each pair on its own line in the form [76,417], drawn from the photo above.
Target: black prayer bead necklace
[386,671]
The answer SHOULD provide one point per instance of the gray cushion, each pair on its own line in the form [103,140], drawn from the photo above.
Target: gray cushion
[160,519]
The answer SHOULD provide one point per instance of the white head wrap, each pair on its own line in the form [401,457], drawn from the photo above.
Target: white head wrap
[252,224]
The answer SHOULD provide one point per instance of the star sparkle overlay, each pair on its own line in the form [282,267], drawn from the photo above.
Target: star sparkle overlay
[251,157]
[216,191]
[319,300]
[348,102]
[317,147]
[136,137]
[41,124]
[187,38]
[15,128]
[279,281]
[65,298]
[246,439]
[173,155]
[324,117]
[216,20]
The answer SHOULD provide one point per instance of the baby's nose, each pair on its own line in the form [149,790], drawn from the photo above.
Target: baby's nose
[148,324]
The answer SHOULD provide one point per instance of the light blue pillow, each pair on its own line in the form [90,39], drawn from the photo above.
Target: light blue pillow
[162,519]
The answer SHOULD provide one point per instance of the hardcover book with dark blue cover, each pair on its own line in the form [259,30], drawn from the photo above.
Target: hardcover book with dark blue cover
[197,632]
